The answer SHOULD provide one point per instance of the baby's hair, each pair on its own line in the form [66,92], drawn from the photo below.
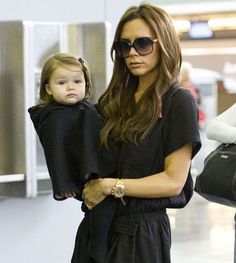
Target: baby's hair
[60,60]
[82,62]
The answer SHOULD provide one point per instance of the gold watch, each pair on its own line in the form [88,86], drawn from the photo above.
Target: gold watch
[118,190]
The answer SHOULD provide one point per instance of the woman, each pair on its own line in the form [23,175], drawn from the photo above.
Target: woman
[155,156]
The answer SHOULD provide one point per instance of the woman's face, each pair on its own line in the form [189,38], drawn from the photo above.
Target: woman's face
[140,65]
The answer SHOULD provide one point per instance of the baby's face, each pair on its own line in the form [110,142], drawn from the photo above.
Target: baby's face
[67,85]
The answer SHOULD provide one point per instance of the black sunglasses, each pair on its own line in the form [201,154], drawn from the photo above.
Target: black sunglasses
[142,45]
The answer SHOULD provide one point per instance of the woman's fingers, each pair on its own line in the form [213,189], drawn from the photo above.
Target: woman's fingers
[92,193]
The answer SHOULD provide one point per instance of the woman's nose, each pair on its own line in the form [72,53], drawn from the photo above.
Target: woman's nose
[133,52]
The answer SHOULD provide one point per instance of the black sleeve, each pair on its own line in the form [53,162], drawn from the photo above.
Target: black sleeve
[54,133]
[181,126]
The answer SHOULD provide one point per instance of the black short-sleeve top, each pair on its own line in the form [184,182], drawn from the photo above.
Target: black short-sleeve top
[177,127]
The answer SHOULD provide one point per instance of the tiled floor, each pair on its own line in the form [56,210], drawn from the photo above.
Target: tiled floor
[203,232]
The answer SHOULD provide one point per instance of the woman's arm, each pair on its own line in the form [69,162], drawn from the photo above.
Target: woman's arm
[223,127]
[167,183]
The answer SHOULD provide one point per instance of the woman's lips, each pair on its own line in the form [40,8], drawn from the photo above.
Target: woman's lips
[135,64]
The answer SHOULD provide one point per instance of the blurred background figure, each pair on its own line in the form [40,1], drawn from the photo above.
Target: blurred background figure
[186,83]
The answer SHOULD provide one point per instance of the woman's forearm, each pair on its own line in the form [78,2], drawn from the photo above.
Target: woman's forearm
[154,186]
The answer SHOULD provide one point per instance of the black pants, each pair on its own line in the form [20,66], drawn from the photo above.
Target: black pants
[139,238]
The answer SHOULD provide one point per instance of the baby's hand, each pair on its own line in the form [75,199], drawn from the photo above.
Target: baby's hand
[68,194]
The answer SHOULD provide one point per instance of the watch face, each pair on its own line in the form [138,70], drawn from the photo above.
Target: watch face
[119,191]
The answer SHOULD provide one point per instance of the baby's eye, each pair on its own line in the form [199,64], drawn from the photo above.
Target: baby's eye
[61,82]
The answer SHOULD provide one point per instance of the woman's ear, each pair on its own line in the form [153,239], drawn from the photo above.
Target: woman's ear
[48,90]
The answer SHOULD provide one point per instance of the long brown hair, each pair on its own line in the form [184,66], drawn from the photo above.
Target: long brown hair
[61,60]
[126,120]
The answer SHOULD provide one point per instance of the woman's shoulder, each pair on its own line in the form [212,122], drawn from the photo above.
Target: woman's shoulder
[183,94]
[177,92]
[182,98]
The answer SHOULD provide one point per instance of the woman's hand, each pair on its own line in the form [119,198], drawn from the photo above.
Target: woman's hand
[95,191]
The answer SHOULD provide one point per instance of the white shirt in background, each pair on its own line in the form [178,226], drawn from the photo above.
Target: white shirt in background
[223,127]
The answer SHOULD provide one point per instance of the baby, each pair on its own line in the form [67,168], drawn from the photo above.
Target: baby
[69,126]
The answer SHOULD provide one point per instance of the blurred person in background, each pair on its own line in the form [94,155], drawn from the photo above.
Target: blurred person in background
[223,129]
[186,83]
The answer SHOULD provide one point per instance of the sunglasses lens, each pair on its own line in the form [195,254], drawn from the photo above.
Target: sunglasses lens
[143,45]
[122,48]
